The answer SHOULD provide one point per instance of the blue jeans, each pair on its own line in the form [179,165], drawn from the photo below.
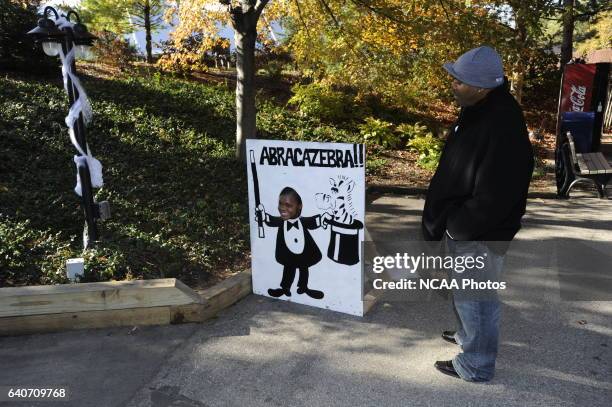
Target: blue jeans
[477,315]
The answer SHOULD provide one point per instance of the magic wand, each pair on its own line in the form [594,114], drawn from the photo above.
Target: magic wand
[260,227]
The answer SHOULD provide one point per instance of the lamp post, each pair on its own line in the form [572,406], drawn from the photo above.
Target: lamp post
[67,40]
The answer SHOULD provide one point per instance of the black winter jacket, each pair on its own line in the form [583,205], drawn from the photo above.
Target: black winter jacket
[479,191]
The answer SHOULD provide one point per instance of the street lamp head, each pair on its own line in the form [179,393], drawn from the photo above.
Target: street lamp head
[51,37]
[82,38]
[46,30]
[79,30]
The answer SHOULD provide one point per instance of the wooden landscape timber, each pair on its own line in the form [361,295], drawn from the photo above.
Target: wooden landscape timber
[38,309]
[36,300]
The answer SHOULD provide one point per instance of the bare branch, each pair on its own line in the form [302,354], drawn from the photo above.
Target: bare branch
[299,11]
[378,11]
[259,6]
[445,11]
[330,12]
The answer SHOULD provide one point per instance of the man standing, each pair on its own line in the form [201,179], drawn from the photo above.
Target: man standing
[478,194]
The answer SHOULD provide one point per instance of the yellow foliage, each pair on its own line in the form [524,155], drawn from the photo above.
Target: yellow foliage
[602,35]
[391,48]
[205,18]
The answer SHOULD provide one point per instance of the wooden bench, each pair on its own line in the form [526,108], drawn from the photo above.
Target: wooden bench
[586,167]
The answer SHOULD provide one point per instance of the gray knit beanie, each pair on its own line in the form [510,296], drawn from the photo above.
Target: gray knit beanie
[481,67]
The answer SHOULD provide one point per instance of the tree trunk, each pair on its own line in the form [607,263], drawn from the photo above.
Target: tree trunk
[147,24]
[520,36]
[567,44]
[245,35]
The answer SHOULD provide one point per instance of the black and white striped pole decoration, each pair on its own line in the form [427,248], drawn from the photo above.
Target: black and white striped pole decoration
[64,38]
[79,115]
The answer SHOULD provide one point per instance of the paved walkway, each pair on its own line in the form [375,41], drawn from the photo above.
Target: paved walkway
[262,352]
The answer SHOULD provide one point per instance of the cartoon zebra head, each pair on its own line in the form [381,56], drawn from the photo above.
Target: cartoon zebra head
[339,200]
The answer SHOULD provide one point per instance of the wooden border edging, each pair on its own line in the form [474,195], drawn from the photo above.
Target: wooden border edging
[111,295]
[114,304]
[226,293]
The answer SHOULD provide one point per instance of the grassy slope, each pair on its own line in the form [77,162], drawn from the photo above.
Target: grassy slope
[178,198]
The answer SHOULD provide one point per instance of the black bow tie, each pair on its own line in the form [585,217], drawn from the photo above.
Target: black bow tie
[295,224]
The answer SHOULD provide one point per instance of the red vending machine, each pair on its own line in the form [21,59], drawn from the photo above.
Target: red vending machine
[582,103]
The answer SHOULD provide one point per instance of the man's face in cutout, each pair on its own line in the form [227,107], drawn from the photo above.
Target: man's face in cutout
[288,207]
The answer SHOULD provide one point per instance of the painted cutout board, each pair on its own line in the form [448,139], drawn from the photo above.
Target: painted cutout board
[307,213]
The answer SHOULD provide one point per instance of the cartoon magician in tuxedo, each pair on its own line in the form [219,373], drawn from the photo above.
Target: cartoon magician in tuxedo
[295,247]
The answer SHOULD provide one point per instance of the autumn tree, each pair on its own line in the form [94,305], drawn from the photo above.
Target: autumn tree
[206,17]
[126,16]
[391,49]
[573,11]
[599,34]
[394,48]
[523,21]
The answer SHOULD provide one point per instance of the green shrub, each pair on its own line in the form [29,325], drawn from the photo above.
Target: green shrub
[321,101]
[374,165]
[379,132]
[104,263]
[430,161]
[429,149]
[408,131]
[276,122]
[31,256]
[179,130]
